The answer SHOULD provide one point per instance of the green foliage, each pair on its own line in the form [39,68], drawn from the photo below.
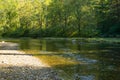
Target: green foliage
[108,17]
[59,18]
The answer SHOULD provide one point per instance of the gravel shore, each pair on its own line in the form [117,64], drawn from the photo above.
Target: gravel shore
[16,65]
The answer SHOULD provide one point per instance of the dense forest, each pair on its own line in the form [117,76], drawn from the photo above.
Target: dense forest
[59,18]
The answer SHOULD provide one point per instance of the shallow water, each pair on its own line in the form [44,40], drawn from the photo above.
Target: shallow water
[94,60]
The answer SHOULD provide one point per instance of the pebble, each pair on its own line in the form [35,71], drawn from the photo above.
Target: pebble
[25,67]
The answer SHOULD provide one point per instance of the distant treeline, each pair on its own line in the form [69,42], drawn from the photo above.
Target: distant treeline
[59,18]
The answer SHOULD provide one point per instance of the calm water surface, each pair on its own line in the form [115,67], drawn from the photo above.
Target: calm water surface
[95,60]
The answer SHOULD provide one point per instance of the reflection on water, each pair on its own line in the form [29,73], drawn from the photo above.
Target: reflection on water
[95,61]
[89,77]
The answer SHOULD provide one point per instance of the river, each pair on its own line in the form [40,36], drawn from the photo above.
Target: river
[76,58]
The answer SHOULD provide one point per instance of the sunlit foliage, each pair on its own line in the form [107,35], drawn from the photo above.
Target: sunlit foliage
[59,18]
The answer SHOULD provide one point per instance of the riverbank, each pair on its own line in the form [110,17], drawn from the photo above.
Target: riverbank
[98,39]
[16,65]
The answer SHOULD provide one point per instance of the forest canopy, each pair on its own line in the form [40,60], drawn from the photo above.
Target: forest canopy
[59,18]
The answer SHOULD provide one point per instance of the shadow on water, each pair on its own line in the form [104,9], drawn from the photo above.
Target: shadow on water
[95,61]
[89,72]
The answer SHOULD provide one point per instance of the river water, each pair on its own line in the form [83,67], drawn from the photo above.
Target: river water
[89,60]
